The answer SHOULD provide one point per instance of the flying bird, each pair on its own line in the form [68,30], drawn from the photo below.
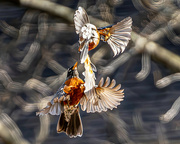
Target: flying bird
[74,91]
[65,103]
[117,36]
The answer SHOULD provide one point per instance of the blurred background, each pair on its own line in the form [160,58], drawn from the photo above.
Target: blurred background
[38,44]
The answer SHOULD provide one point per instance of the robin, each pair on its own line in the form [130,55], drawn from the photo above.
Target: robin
[72,92]
[65,103]
[117,36]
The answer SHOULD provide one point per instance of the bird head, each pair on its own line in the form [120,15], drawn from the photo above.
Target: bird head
[72,72]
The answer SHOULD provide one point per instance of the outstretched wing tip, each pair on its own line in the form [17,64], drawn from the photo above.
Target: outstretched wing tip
[120,36]
[106,96]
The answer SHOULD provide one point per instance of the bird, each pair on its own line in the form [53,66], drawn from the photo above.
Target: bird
[117,36]
[74,91]
[65,103]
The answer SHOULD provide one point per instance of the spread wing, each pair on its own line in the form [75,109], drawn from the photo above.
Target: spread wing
[80,19]
[54,106]
[120,34]
[104,96]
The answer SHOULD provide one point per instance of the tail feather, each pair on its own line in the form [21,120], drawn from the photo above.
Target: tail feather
[73,126]
[62,124]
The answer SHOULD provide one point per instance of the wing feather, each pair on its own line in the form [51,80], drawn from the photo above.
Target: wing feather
[112,84]
[117,87]
[105,96]
[101,82]
[120,35]
[53,107]
[102,97]
[80,19]
[106,82]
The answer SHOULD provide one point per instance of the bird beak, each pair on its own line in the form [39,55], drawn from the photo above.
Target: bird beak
[75,66]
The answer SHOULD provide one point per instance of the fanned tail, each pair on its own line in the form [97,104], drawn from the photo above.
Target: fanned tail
[70,123]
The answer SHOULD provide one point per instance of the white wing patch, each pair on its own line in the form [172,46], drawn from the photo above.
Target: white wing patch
[120,35]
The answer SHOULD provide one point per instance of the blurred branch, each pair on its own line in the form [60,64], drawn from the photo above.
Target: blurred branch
[172,112]
[39,86]
[142,44]
[25,106]
[161,134]
[44,129]
[117,128]
[9,131]
[165,81]
[146,67]
[32,53]
[112,66]
[156,51]
[56,9]
[50,7]
[9,30]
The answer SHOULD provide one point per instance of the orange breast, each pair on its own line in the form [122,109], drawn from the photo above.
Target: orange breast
[77,95]
[75,88]
[93,44]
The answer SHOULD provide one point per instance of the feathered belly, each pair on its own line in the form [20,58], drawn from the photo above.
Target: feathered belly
[93,44]
[74,90]
[76,95]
